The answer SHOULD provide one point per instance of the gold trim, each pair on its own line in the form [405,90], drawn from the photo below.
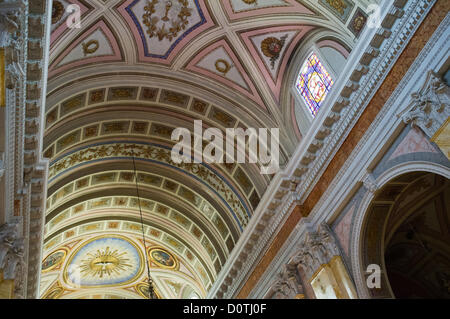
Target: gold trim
[317,272]
[158,295]
[329,269]
[224,68]
[57,264]
[88,49]
[50,290]
[176,263]
[439,131]
[73,254]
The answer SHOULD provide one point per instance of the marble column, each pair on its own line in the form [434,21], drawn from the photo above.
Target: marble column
[320,258]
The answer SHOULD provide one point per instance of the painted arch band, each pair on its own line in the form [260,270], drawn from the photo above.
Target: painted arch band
[214,152]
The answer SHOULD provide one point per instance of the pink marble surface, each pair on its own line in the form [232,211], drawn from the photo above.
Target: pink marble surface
[343,229]
[415,141]
[56,34]
[275,86]
[117,56]
[141,54]
[293,7]
[252,93]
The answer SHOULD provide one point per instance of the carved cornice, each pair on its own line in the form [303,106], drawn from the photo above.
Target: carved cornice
[23,35]
[151,152]
[355,166]
[311,158]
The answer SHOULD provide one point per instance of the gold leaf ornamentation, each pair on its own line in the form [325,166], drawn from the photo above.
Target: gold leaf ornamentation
[339,5]
[90,47]
[222,66]
[150,20]
[154,153]
[271,47]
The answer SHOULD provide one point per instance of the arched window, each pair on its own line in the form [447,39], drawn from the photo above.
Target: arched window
[313,83]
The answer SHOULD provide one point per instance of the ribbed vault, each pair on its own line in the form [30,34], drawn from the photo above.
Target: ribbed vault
[116,91]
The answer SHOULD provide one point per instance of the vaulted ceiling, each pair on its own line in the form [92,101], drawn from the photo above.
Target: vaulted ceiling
[416,239]
[119,85]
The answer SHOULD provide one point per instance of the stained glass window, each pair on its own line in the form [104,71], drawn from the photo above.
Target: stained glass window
[313,83]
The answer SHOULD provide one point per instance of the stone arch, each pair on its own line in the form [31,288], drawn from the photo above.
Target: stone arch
[372,217]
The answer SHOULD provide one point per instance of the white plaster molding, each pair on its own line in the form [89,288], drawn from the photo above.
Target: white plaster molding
[318,248]
[12,257]
[386,57]
[23,163]
[287,284]
[370,183]
[385,125]
[430,106]
[355,168]
[9,156]
[403,31]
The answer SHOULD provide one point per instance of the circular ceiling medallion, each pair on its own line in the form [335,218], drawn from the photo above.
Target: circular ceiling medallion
[271,47]
[104,261]
[53,260]
[57,11]
[174,13]
[142,289]
[163,258]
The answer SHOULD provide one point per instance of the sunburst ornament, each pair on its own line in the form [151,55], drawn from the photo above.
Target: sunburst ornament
[105,262]
[109,260]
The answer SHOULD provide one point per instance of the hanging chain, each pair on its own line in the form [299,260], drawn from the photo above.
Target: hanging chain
[151,290]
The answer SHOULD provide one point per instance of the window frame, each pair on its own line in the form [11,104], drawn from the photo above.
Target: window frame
[298,95]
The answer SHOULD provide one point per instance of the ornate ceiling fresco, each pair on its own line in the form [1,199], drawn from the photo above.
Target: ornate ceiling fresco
[118,86]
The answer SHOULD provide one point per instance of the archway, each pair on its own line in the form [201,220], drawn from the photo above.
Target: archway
[417,253]
[405,232]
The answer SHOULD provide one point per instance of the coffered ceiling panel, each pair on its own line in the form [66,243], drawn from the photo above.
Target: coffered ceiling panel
[119,84]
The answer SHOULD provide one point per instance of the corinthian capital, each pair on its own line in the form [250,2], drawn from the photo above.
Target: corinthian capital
[12,257]
[287,284]
[317,249]
[9,20]
[430,106]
